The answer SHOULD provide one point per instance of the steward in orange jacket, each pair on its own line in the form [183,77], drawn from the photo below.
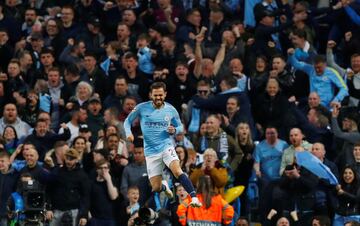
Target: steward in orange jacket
[218,213]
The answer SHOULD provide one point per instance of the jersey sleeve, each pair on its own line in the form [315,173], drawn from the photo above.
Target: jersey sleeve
[129,120]
[307,68]
[340,84]
[176,121]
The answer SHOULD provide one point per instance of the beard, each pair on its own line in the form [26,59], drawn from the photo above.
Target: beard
[158,103]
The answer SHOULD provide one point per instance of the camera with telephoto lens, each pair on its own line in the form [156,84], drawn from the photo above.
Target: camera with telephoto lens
[147,216]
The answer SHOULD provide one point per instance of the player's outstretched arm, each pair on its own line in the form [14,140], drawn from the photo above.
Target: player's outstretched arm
[128,122]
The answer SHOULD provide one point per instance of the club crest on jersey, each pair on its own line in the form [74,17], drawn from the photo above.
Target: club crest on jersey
[167,118]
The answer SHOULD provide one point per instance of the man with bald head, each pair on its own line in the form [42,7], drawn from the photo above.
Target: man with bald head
[33,167]
[323,194]
[297,144]
[283,221]
[236,67]
[318,149]
[313,102]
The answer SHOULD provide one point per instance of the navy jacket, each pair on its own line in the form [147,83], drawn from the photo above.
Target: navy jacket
[8,183]
[45,143]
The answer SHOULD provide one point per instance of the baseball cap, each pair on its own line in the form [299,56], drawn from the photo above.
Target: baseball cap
[84,128]
[94,21]
[263,13]
[94,99]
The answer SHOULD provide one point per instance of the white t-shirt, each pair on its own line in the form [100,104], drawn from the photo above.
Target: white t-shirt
[74,130]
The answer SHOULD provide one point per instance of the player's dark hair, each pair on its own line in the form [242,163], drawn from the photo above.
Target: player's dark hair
[157,85]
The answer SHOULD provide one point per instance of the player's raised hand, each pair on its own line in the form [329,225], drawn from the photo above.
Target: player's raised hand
[130,138]
[171,130]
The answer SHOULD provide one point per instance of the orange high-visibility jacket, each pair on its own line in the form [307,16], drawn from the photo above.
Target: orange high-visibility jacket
[219,212]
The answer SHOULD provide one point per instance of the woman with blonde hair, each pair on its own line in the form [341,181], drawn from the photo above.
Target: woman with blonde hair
[244,139]
[83,92]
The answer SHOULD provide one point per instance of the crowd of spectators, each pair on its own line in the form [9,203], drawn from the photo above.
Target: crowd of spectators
[255,83]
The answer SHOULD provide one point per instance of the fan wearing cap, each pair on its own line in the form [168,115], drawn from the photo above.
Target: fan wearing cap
[92,35]
[36,43]
[95,119]
[95,75]
[69,191]
[84,131]
[266,37]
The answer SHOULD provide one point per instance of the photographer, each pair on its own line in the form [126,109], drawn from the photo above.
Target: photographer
[69,193]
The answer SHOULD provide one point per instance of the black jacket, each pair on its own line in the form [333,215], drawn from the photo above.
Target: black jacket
[349,201]
[98,80]
[271,110]
[70,190]
[45,143]
[301,190]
